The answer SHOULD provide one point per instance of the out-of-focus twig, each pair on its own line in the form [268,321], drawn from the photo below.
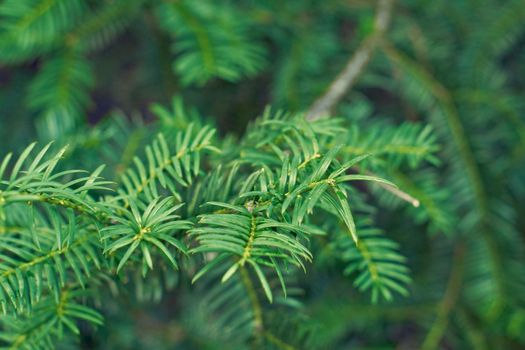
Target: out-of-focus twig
[348,77]
[449,300]
[398,193]
[355,66]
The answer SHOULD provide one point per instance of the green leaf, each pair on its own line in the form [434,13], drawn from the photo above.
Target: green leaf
[262,279]
[364,178]
[20,161]
[230,272]
[127,255]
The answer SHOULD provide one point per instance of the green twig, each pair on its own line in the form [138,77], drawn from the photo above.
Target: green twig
[449,300]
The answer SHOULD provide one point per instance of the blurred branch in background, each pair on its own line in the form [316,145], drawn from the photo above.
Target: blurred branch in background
[348,77]
[356,65]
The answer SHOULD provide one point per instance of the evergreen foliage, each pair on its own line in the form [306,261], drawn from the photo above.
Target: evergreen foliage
[389,218]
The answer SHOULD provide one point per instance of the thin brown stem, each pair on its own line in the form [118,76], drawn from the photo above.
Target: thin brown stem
[348,77]
[355,66]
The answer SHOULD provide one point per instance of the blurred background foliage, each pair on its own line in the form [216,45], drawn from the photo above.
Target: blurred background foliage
[91,73]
